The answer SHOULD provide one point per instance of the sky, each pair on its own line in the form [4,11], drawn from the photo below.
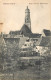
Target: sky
[12,14]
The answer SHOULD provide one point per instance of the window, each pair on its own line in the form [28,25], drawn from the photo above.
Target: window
[25,44]
[27,40]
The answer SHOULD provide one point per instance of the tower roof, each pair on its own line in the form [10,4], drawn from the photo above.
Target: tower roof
[27,32]
[27,9]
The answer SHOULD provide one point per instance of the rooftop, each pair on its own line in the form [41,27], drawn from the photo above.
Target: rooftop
[47,32]
[44,41]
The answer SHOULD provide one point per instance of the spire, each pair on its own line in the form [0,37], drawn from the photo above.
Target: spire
[27,7]
[27,10]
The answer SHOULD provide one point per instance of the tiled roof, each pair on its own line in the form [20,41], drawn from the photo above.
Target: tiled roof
[27,32]
[47,32]
[45,41]
[25,29]
[35,35]
[14,32]
[12,39]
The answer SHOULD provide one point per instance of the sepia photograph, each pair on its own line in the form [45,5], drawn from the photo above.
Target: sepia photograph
[25,39]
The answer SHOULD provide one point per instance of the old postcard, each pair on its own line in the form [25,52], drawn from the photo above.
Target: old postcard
[25,39]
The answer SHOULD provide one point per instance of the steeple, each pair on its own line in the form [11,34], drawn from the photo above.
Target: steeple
[27,7]
[27,18]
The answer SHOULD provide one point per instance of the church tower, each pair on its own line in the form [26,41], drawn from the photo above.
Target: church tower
[27,18]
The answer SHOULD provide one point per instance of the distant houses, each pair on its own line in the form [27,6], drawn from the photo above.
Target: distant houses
[44,43]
